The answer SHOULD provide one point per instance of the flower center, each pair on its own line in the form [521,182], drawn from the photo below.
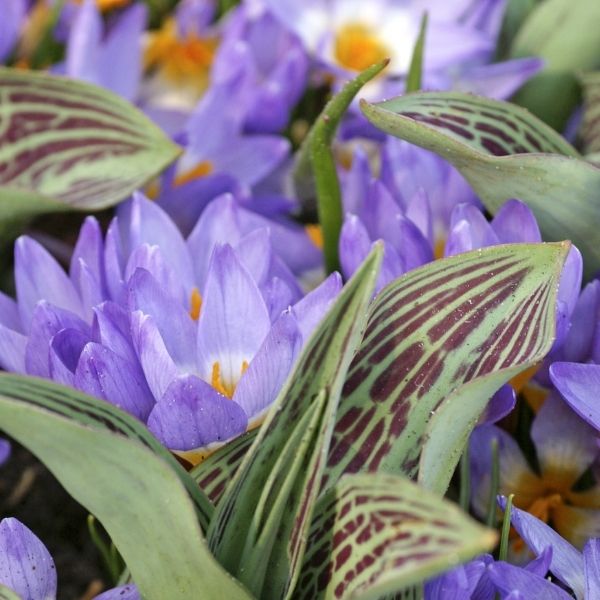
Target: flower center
[182,60]
[223,385]
[358,47]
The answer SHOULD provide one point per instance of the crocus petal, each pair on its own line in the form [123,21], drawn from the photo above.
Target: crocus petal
[47,321]
[354,244]
[458,583]
[157,364]
[65,349]
[567,562]
[565,444]
[9,313]
[89,251]
[568,292]
[5,450]
[10,25]
[501,403]
[509,578]
[541,564]
[578,384]
[38,276]
[515,223]
[123,592]
[104,374]
[119,62]
[234,320]
[312,308]
[591,566]
[269,369]
[83,44]
[176,327]
[112,328]
[191,414]
[26,567]
[12,350]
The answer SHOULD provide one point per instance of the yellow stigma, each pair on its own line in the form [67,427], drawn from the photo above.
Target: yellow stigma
[106,5]
[227,388]
[202,169]
[358,47]
[438,249]
[183,61]
[315,234]
[195,304]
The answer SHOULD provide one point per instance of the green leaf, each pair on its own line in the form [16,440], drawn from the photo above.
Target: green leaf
[66,145]
[99,415]
[7,594]
[413,79]
[315,169]
[259,529]
[501,150]
[214,474]
[590,126]
[476,319]
[565,34]
[377,534]
[136,494]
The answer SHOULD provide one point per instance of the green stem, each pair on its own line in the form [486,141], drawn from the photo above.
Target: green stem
[495,485]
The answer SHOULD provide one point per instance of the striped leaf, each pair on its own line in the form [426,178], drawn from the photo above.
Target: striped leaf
[214,474]
[375,535]
[102,461]
[68,144]
[590,127]
[98,415]
[259,529]
[475,319]
[504,152]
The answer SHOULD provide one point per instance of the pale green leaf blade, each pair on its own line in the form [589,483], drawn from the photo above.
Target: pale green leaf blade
[214,473]
[72,143]
[415,70]
[374,535]
[7,594]
[590,126]
[137,495]
[430,332]
[259,529]
[501,150]
[315,171]
[100,415]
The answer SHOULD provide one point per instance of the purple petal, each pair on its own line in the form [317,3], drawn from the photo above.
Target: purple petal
[104,374]
[567,562]
[112,328]
[541,564]
[354,245]
[176,327]
[84,43]
[500,405]
[89,251]
[9,313]
[578,345]
[12,350]
[269,369]
[47,321]
[458,583]
[26,567]
[157,364]
[568,292]
[565,444]
[65,349]
[39,277]
[234,320]
[10,25]
[579,384]
[515,223]
[192,414]
[509,579]
[312,308]
[123,592]
[591,566]
[5,450]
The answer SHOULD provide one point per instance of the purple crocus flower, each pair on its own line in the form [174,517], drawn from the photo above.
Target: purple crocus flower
[577,571]
[274,64]
[168,329]
[27,568]
[566,447]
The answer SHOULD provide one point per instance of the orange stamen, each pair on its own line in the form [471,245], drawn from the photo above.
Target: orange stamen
[315,234]
[225,387]
[195,304]
[200,170]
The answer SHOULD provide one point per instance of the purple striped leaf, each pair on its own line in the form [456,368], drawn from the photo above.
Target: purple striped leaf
[375,535]
[450,332]
[504,152]
[68,144]
[590,126]
[258,532]
[214,474]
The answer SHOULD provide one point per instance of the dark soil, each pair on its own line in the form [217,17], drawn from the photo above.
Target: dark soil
[29,492]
